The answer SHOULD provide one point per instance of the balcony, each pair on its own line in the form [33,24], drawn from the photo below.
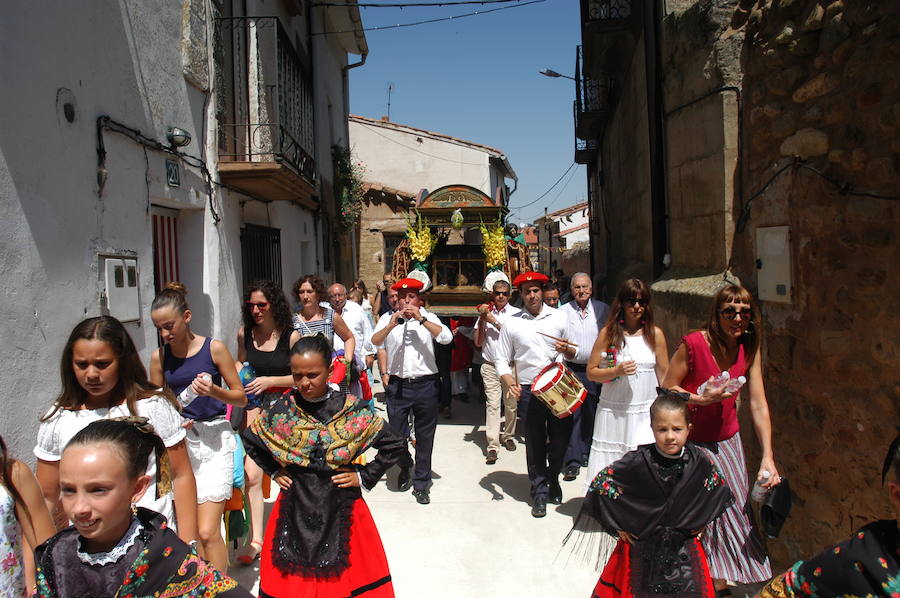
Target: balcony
[264,111]
[609,32]
[592,102]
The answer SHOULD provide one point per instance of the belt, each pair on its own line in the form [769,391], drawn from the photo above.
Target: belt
[577,367]
[427,378]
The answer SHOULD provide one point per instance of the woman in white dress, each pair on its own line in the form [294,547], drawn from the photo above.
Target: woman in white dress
[630,357]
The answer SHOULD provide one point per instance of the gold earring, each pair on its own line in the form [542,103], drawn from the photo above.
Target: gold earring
[134,509]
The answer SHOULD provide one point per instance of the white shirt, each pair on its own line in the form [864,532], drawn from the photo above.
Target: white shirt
[55,433]
[584,326]
[492,333]
[520,342]
[358,322]
[409,348]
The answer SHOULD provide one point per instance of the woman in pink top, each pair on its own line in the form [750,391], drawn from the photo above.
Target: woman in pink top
[729,341]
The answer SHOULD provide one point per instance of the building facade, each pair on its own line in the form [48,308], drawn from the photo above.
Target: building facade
[565,239]
[154,141]
[403,163]
[756,141]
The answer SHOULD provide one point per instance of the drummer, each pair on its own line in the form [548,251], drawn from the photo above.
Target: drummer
[522,340]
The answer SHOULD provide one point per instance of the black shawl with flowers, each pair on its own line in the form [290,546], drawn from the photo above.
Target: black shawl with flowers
[663,502]
[157,564]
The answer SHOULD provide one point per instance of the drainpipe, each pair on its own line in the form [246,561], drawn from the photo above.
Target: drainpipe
[655,126]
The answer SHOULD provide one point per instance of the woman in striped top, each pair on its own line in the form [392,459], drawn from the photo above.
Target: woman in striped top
[312,318]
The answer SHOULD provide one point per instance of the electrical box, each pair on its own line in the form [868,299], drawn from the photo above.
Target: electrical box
[120,277]
[773,263]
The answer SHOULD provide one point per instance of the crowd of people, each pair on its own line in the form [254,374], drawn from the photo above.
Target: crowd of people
[135,465]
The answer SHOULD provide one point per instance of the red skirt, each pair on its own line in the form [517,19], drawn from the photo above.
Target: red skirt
[615,581]
[366,576]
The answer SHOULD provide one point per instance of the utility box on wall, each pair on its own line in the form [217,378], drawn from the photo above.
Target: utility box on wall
[773,263]
[119,277]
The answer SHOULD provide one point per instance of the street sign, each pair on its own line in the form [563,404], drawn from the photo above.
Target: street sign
[173,174]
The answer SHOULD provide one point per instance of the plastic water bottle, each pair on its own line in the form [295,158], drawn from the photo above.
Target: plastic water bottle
[247,375]
[715,384]
[189,394]
[735,384]
[758,494]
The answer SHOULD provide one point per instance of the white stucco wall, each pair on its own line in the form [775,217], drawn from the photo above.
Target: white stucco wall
[121,58]
[410,161]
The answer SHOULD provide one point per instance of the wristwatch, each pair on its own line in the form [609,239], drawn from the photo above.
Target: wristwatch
[422,320]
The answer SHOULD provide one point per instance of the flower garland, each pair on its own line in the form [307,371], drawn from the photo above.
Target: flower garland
[494,245]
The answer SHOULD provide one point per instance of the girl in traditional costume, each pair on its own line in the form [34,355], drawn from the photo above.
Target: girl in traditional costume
[655,500]
[114,547]
[321,539]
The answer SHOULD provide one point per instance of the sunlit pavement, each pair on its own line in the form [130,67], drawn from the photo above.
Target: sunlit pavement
[477,537]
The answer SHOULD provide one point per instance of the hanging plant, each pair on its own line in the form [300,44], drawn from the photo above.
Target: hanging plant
[348,186]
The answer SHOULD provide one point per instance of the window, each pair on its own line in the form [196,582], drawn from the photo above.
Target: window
[390,245]
[261,254]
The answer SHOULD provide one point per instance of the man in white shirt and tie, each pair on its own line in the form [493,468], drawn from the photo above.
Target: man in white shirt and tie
[406,337]
[586,317]
[523,340]
[487,335]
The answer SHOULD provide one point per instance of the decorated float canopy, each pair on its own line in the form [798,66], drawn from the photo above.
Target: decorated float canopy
[474,205]
[457,244]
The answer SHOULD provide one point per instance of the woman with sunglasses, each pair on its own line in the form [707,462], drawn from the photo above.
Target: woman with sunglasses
[730,341]
[622,421]
[264,341]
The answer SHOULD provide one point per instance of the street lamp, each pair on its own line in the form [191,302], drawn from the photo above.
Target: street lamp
[554,74]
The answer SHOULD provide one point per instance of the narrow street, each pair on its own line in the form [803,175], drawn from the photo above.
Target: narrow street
[477,537]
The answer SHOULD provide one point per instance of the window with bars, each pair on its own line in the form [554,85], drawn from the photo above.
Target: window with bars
[260,254]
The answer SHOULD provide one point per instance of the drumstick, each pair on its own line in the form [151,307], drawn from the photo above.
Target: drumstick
[559,340]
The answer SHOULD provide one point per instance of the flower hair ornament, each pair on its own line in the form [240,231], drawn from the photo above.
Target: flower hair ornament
[163,465]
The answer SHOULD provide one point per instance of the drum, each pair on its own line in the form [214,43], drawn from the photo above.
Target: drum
[558,388]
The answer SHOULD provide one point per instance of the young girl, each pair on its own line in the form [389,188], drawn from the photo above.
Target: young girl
[102,377]
[656,499]
[264,341]
[114,547]
[188,359]
[321,539]
[22,514]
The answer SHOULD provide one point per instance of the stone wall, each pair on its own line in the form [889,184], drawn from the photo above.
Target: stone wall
[748,86]
[376,220]
[820,83]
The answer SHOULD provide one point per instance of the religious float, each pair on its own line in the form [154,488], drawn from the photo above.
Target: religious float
[457,242]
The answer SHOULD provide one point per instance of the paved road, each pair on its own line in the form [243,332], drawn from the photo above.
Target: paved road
[477,537]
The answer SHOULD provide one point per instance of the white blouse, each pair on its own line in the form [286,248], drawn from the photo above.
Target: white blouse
[55,433]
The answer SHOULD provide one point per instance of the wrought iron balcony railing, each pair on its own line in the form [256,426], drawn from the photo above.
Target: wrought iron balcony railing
[592,101]
[606,11]
[586,150]
[264,100]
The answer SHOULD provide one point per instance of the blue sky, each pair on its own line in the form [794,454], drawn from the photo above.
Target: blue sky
[477,79]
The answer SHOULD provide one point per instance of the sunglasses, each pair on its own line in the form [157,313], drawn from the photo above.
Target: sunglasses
[642,302]
[259,305]
[733,314]
[504,293]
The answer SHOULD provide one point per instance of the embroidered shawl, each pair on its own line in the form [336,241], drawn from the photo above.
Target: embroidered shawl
[295,437]
[165,566]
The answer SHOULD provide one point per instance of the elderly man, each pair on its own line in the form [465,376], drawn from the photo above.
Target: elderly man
[525,339]
[586,317]
[358,323]
[408,337]
[487,334]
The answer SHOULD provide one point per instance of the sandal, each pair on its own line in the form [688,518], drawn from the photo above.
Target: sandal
[245,559]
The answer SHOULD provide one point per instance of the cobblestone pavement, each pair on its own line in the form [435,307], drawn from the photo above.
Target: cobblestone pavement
[477,537]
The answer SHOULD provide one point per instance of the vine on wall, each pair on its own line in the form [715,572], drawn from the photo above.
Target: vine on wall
[348,186]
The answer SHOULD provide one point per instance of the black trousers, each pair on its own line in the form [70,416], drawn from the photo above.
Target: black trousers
[544,457]
[419,398]
[443,357]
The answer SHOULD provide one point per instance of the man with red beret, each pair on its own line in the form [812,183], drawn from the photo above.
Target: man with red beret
[406,336]
[522,341]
